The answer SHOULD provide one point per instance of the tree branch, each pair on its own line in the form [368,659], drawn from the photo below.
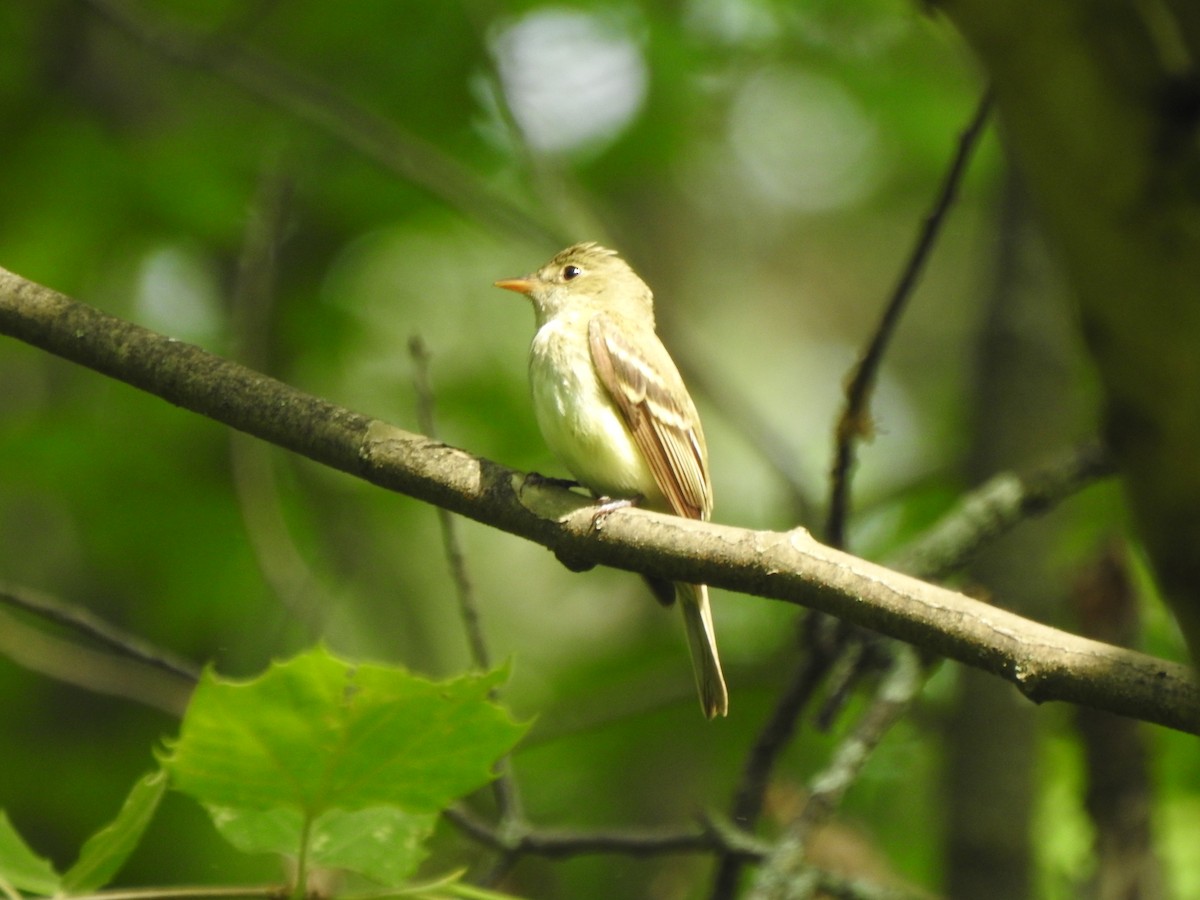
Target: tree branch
[456,559]
[1043,662]
[86,623]
[995,508]
[854,421]
[786,873]
[561,844]
[1098,103]
[713,837]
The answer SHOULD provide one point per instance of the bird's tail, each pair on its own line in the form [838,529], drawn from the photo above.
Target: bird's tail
[702,642]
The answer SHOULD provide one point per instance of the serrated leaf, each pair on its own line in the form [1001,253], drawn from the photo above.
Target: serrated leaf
[105,852]
[318,733]
[383,843]
[20,867]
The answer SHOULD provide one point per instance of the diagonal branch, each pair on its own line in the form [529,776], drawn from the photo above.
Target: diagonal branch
[82,621]
[1043,662]
[996,507]
[786,874]
[854,421]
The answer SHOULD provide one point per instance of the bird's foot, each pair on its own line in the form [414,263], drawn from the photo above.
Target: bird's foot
[537,479]
[606,506]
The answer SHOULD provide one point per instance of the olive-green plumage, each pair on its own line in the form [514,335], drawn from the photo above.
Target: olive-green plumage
[613,408]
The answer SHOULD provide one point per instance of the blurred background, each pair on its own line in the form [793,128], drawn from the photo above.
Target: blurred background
[765,166]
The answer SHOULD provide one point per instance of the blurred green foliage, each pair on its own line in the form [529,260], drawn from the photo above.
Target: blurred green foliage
[767,179]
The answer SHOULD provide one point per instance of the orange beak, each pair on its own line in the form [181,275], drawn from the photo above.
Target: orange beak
[520,285]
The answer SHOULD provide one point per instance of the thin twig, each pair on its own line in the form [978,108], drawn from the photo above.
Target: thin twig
[896,692]
[715,837]
[854,422]
[748,801]
[786,874]
[468,609]
[852,425]
[978,518]
[504,787]
[97,671]
[88,624]
[760,762]
[562,844]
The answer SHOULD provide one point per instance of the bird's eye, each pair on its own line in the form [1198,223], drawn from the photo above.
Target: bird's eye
[570,272]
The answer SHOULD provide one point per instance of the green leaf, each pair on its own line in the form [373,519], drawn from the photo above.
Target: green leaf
[383,843]
[316,733]
[105,852]
[20,867]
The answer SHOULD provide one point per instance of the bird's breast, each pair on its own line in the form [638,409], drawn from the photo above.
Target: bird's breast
[578,419]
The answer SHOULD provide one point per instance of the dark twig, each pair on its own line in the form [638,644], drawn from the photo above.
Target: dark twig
[715,837]
[504,787]
[979,518]
[560,844]
[88,624]
[774,737]
[468,609]
[859,653]
[854,422]
[68,660]
[786,874]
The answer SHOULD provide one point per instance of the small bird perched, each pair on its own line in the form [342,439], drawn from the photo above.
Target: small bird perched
[613,408]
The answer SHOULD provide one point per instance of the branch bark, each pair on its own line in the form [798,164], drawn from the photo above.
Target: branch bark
[1098,103]
[1043,662]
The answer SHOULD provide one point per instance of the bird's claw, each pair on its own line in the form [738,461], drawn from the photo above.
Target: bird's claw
[606,506]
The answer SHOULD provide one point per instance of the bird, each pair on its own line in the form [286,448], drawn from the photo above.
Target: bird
[613,408]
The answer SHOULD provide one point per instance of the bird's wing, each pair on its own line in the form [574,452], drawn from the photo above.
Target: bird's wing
[663,422]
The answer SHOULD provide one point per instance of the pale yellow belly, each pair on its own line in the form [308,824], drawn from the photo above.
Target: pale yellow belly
[582,426]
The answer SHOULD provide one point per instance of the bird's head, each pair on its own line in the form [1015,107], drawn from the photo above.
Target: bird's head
[588,277]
